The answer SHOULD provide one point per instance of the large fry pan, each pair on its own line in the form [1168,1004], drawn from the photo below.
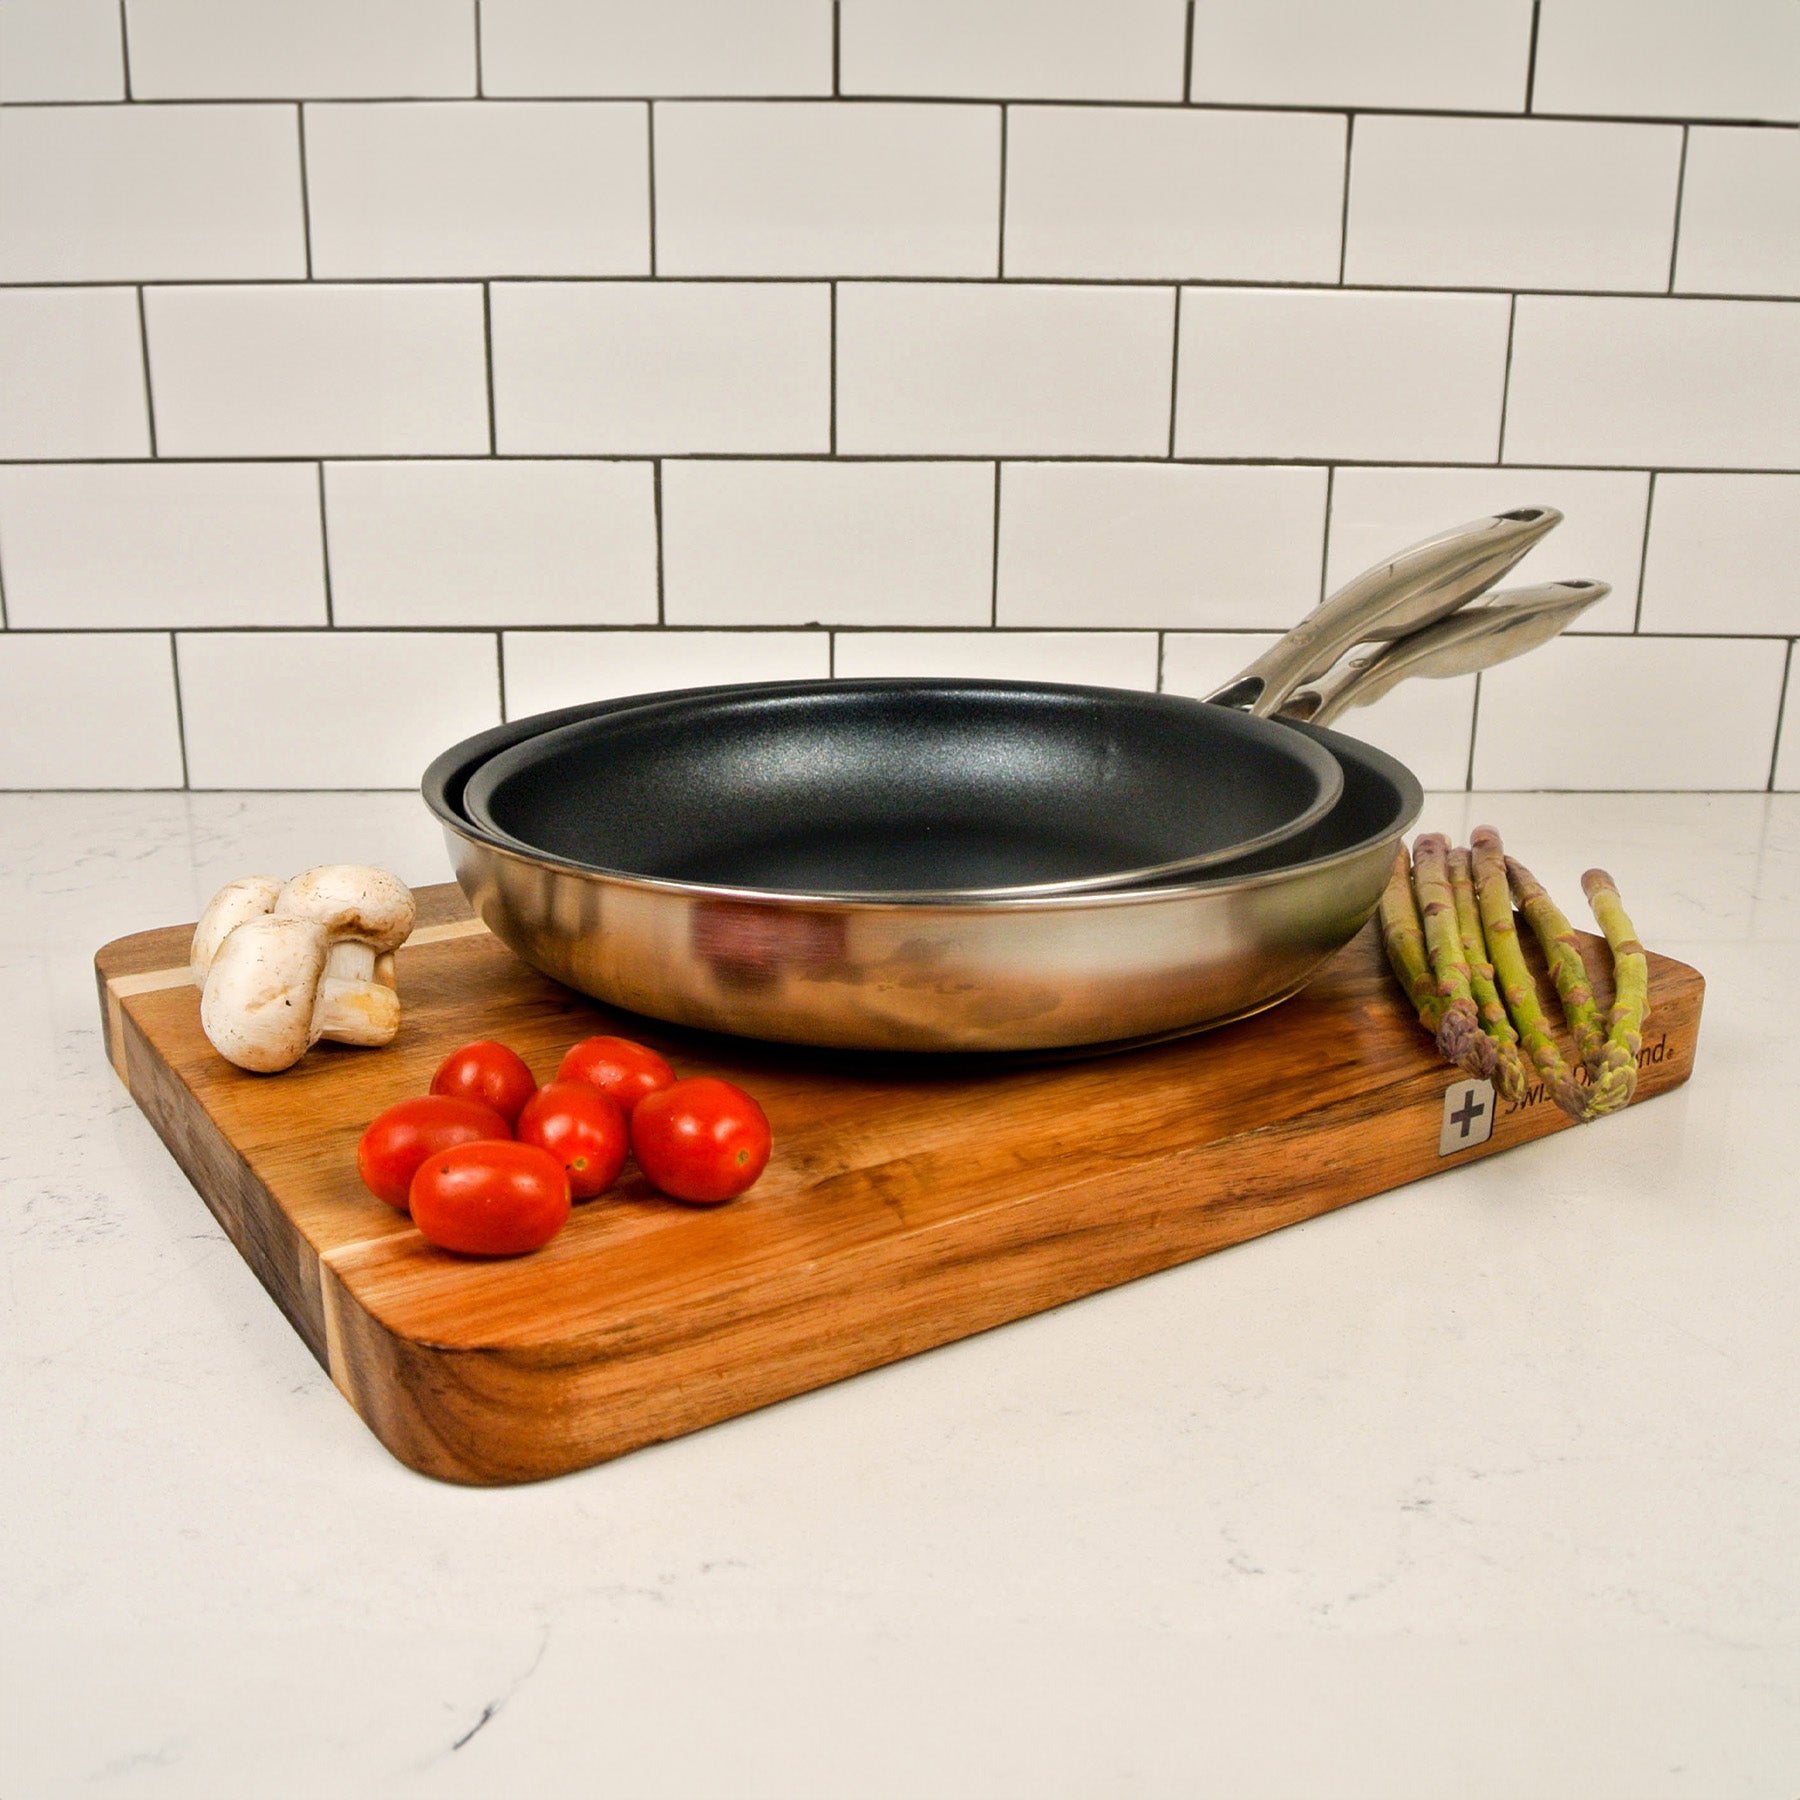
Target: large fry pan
[1036,974]
[933,791]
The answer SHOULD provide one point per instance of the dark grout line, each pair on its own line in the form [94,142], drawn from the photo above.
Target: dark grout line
[1468,786]
[1174,373]
[1637,611]
[1344,211]
[124,58]
[1680,187]
[480,87]
[1325,539]
[144,353]
[180,709]
[325,550]
[1000,234]
[487,347]
[650,171]
[900,99]
[832,394]
[1787,682]
[1187,99]
[994,588]
[1107,458]
[1531,53]
[656,508]
[1512,319]
[1138,283]
[305,191]
[837,48]
[500,672]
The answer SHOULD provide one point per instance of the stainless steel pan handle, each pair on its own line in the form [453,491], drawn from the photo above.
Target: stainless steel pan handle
[1411,589]
[1477,638]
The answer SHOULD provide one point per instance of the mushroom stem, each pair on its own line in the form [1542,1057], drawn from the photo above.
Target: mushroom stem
[353,1007]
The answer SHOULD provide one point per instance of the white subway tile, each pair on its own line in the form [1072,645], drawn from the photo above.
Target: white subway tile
[88,711]
[831,543]
[550,669]
[1669,58]
[639,368]
[61,50]
[161,544]
[670,47]
[1787,755]
[1375,512]
[1740,212]
[491,542]
[478,187]
[1535,203]
[1700,383]
[826,188]
[331,709]
[150,193]
[323,49]
[1426,724]
[1148,192]
[1011,370]
[1158,544]
[1199,663]
[1014,49]
[1367,376]
[1724,554]
[71,373]
[1621,713]
[1469,57]
[1116,659]
[312,370]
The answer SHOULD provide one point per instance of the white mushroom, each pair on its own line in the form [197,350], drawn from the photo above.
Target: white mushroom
[286,965]
[233,905]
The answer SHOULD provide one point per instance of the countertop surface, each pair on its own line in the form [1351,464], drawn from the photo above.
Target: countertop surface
[1486,1487]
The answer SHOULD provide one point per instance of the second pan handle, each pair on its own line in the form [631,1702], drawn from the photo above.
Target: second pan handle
[1418,585]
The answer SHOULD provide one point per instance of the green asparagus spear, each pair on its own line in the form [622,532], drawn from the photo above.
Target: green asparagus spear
[1557,937]
[1459,1033]
[1616,1079]
[1517,987]
[1404,939]
[1509,1068]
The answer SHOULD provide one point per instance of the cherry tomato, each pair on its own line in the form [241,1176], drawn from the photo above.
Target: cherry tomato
[582,1128]
[490,1199]
[618,1067]
[490,1073]
[402,1137]
[701,1139]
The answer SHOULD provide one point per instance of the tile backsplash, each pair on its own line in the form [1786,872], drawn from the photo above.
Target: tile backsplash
[374,369]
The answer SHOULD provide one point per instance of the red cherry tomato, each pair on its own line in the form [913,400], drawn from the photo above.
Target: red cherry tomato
[618,1067]
[490,1199]
[582,1128]
[402,1137]
[701,1139]
[490,1073]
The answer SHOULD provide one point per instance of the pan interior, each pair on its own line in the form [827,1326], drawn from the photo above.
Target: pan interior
[889,788]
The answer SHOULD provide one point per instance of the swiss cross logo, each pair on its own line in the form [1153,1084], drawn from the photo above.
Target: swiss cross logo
[1468,1117]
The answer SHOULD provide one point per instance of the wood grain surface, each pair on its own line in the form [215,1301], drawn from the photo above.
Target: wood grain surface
[909,1202]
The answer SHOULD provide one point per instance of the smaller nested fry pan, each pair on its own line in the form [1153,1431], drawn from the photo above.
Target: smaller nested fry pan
[908,790]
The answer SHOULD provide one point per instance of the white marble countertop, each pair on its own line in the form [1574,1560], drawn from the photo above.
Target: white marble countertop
[1486,1487]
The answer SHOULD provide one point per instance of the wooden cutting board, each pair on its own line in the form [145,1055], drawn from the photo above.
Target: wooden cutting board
[908,1203]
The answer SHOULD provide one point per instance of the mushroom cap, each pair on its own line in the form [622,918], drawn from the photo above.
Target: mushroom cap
[229,908]
[257,1006]
[352,901]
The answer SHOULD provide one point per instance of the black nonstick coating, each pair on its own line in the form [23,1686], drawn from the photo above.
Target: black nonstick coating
[907,789]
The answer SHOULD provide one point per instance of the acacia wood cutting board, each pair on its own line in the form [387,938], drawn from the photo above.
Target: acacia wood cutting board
[908,1203]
